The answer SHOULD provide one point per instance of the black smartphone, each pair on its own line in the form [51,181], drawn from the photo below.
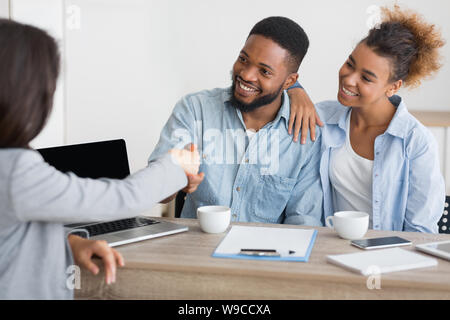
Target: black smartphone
[378,243]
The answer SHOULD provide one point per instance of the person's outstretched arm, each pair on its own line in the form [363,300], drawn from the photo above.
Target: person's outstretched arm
[39,192]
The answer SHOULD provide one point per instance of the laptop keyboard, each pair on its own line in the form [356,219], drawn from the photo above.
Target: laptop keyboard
[115,226]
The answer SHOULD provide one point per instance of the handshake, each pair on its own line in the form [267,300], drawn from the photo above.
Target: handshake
[189,160]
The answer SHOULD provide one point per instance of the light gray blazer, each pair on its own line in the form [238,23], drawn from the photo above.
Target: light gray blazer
[36,200]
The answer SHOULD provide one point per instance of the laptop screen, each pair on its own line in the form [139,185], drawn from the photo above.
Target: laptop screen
[104,159]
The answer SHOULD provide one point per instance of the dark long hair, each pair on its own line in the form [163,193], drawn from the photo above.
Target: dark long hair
[29,68]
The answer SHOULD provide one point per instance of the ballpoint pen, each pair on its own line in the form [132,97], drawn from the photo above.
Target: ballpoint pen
[262,252]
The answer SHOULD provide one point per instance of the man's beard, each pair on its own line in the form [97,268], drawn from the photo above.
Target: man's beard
[257,103]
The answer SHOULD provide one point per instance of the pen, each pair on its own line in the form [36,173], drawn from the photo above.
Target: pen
[262,252]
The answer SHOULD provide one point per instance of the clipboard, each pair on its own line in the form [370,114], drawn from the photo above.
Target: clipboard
[290,244]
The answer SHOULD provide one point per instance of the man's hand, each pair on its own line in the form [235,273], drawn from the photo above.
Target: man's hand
[84,249]
[189,159]
[303,114]
[194,181]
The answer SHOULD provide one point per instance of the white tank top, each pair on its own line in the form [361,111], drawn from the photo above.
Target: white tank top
[351,178]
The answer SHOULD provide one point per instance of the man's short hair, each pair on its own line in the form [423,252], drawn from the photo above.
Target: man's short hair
[288,35]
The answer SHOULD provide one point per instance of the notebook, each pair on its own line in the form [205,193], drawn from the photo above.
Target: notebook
[291,244]
[382,261]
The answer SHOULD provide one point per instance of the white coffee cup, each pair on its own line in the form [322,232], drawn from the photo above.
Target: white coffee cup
[214,219]
[349,225]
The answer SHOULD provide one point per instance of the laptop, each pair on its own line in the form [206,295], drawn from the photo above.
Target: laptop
[106,159]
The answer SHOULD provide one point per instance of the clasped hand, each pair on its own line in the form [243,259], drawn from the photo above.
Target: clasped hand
[189,160]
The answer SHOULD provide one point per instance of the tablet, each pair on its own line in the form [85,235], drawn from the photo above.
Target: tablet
[440,249]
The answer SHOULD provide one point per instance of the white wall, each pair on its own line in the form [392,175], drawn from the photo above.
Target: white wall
[4,8]
[207,36]
[118,75]
[119,79]
[132,60]
[48,15]
[127,62]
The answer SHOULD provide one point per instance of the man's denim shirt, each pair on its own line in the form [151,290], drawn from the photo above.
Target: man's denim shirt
[408,191]
[268,178]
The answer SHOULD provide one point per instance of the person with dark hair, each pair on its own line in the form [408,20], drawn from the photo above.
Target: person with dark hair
[250,162]
[377,157]
[297,44]
[288,35]
[36,199]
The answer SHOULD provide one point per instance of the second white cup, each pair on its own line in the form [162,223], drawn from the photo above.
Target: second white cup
[214,219]
[350,225]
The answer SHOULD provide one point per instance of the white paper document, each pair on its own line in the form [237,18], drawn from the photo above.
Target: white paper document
[382,261]
[291,244]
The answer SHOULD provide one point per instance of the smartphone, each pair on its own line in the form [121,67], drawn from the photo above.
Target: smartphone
[378,243]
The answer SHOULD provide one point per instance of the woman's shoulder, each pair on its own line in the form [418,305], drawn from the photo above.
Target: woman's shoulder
[417,137]
[21,154]
[330,110]
[18,159]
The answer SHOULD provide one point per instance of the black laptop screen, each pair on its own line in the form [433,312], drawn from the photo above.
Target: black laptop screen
[105,159]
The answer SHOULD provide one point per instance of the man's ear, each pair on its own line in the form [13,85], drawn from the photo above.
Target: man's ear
[290,80]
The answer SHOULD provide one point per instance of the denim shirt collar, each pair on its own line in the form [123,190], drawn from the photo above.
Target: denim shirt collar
[283,112]
[339,118]
[396,127]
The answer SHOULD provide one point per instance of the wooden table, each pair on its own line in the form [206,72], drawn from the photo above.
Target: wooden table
[181,267]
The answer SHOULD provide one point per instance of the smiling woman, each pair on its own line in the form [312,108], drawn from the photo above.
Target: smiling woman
[377,157]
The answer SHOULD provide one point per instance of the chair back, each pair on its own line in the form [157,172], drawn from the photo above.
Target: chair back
[444,223]
[179,203]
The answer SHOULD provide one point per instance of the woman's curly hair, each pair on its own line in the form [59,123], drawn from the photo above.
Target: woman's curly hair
[411,43]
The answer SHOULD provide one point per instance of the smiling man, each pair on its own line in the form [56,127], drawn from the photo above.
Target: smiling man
[249,160]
